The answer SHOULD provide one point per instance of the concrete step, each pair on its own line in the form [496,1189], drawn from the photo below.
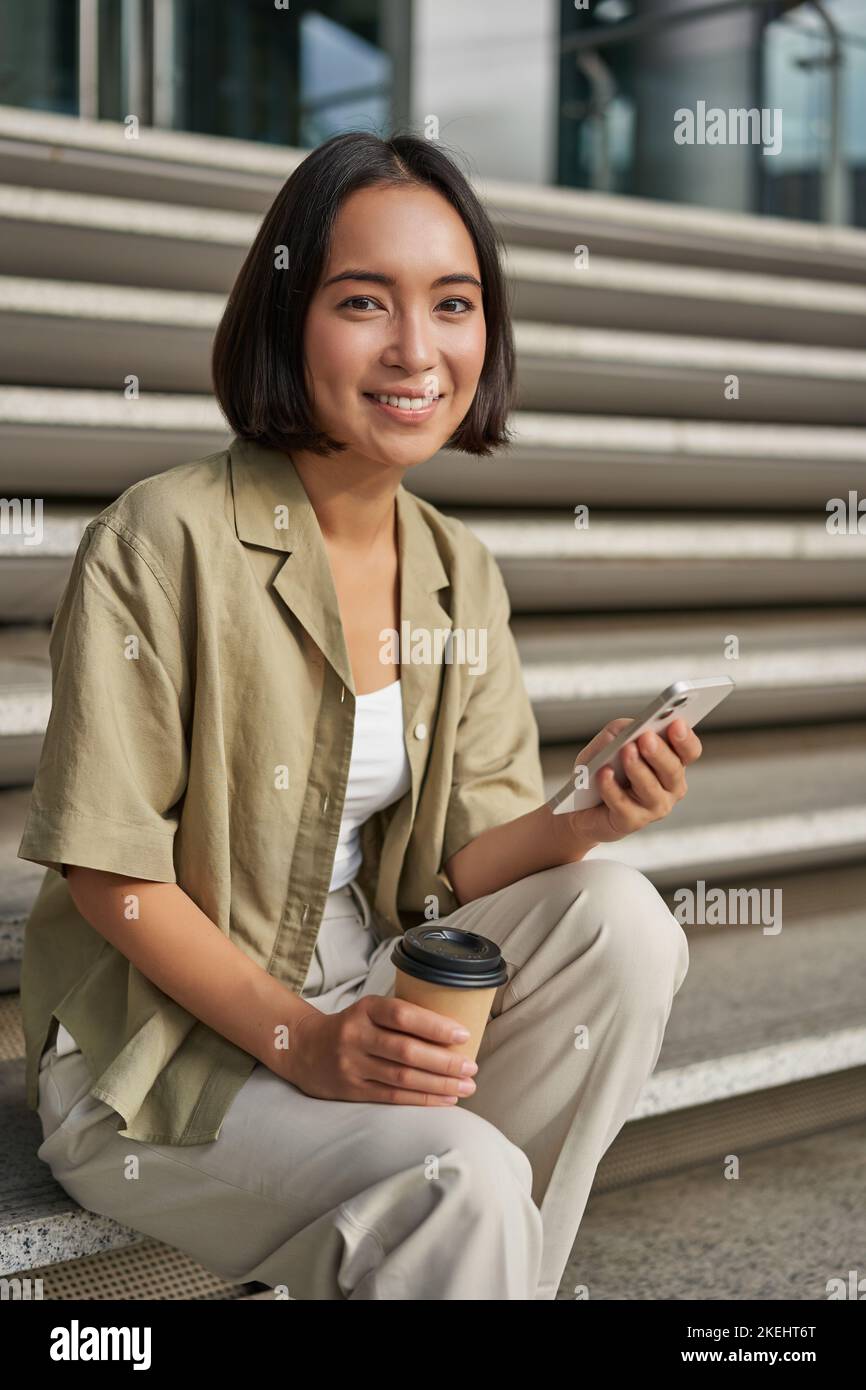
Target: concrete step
[96,443]
[562,219]
[790,1225]
[662,374]
[128,242]
[39,1223]
[619,561]
[760,801]
[774,989]
[75,333]
[25,701]
[64,333]
[664,560]
[19,879]
[755,1013]
[35,561]
[614,293]
[616,461]
[122,241]
[46,150]
[40,149]
[795,666]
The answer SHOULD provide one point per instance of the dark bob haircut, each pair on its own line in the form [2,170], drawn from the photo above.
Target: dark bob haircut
[258,351]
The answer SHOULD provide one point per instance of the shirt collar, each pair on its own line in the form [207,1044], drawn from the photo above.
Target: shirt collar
[272,510]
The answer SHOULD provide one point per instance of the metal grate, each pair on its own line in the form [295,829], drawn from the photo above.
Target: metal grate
[146,1270]
[11,1031]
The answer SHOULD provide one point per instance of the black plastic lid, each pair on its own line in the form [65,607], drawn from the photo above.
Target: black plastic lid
[450,957]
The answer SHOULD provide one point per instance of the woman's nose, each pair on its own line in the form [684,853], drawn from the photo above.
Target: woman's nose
[412,344]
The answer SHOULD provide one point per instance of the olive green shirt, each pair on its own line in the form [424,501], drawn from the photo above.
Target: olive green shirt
[201,733]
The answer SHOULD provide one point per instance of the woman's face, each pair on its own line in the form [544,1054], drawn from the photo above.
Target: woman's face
[386,327]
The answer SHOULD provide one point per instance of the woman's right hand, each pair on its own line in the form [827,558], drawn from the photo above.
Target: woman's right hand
[378,1049]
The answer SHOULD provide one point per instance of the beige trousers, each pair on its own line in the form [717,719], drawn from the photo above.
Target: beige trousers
[482,1200]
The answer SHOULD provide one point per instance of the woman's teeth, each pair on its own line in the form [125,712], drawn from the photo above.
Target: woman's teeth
[407,402]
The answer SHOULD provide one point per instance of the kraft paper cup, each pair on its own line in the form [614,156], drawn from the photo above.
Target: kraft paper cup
[452,972]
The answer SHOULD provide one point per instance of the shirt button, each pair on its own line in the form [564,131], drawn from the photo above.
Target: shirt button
[420,730]
[325,802]
[304,914]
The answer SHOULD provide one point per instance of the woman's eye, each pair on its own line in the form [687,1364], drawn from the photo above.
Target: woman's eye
[356,300]
[465,302]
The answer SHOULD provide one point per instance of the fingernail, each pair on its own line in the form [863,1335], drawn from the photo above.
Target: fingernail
[469,1068]
[466,1087]
[460,1035]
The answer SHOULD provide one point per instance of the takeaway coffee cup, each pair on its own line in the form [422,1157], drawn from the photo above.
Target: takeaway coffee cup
[452,972]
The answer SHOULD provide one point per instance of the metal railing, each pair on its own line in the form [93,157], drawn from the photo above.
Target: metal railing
[586,46]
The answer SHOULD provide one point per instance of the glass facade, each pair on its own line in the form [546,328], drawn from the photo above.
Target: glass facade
[584,93]
[626,71]
[798,68]
[288,74]
[39,55]
[294,76]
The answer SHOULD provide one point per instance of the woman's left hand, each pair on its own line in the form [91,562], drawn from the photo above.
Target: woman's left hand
[655,769]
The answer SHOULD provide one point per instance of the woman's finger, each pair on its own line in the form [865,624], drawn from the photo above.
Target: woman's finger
[644,785]
[664,761]
[406,1078]
[629,814]
[684,741]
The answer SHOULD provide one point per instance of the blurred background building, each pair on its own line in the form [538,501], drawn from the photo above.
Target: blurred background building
[545,92]
[696,378]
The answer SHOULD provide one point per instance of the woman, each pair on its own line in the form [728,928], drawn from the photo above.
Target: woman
[247,791]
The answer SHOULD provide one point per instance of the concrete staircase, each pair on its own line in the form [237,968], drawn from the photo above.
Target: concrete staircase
[707,520]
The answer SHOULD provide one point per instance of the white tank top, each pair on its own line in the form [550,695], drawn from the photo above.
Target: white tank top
[379,774]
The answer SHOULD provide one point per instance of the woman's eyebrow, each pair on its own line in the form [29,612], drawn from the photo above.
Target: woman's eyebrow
[377,278]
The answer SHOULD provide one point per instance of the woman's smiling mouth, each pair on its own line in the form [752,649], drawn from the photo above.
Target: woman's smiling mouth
[408,410]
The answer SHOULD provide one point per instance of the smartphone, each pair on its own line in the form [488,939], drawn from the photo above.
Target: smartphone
[688,700]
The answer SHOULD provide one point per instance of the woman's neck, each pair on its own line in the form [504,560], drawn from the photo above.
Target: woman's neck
[355,505]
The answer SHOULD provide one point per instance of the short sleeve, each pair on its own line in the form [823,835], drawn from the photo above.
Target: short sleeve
[496,775]
[114,761]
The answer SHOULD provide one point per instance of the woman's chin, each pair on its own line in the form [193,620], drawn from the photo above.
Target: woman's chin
[394,453]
